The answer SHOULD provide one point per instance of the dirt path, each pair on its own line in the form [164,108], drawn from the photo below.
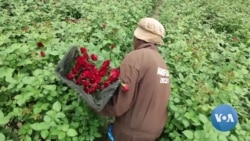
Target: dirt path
[156,9]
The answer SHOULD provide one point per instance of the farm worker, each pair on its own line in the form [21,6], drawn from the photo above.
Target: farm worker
[141,112]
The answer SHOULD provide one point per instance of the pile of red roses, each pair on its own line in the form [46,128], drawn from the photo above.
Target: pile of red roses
[86,74]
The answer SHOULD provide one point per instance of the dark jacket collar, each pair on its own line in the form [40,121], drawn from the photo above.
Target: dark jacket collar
[148,45]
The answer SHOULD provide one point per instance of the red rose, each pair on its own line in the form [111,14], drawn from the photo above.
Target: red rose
[102,87]
[76,69]
[83,50]
[84,53]
[112,46]
[70,76]
[104,67]
[80,60]
[25,29]
[104,26]
[94,57]
[91,91]
[73,20]
[85,84]
[125,87]
[235,39]
[42,54]
[87,74]
[115,73]
[112,79]
[86,90]
[95,86]
[79,81]
[85,57]
[98,79]
[40,44]
[106,63]
[94,70]
[92,80]
[106,84]
[89,66]
[101,73]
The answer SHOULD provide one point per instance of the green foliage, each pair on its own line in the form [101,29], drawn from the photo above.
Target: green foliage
[35,104]
[207,51]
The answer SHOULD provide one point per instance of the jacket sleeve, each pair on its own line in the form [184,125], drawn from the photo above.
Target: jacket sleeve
[123,101]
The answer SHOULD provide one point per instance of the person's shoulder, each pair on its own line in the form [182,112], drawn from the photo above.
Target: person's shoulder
[134,54]
[138,52]
[132,58]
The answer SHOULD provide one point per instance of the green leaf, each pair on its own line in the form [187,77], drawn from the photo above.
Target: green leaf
[2,74]
[60,115]
[203,118]
[233,138]
[9,72]
[27,138]
[65,127]
[12,48]
[188,134]
[222,138]
[61,135]
[54,53]
[37,110]
[50,87]
[54,131]
[1,114]
[198,134]
[44,134]
[189,102]
[2,137]
[97,135]
[91,137]
[71,132]
[186,123]
[47,119]
[22,98]
[176,100]
[35,126]
[3,120]
[28,80]
[39,107]
[40,126]
[10,79]
[44,125]
[57,106]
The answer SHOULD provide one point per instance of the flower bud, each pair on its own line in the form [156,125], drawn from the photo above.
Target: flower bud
[125,87]
[94,57]
[42,54]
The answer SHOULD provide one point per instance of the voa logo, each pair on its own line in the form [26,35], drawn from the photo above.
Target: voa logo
[224,117]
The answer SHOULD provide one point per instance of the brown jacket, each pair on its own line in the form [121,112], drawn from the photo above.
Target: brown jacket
[140,114]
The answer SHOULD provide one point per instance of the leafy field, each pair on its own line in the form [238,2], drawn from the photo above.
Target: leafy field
[207,51]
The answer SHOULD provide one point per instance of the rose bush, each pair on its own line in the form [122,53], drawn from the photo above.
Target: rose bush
[35,104]
[207,51]
[208,67]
